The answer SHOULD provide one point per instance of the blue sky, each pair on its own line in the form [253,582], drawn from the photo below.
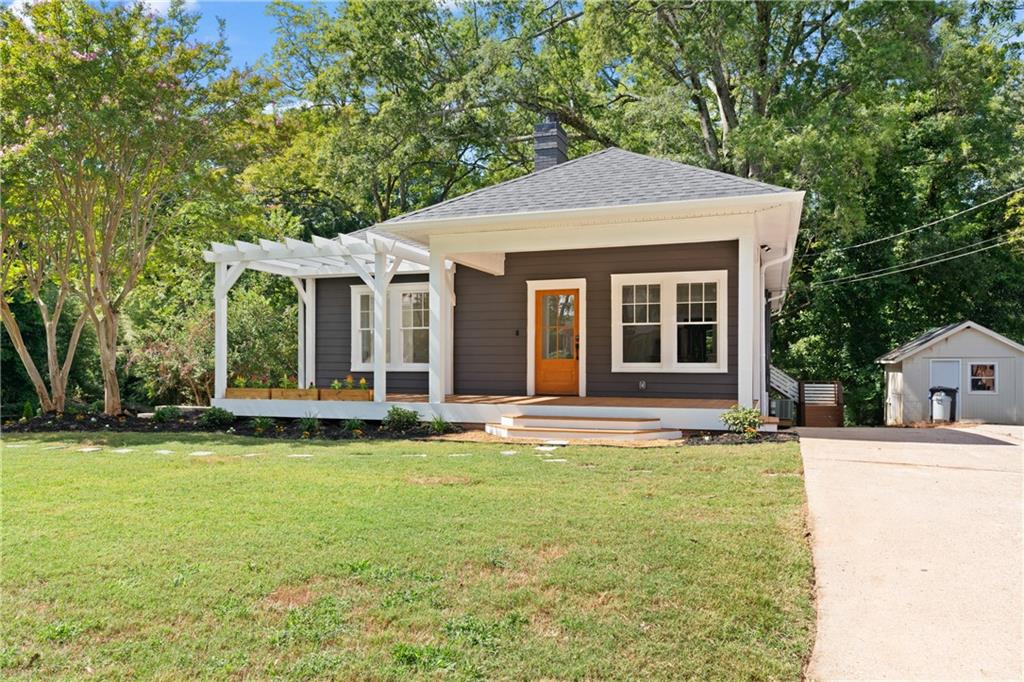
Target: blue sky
[250,32]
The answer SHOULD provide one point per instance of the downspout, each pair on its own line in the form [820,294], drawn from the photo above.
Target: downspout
[764,330]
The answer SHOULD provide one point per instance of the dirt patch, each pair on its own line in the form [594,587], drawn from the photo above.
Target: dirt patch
[290,596]
[551,552]
[440,480]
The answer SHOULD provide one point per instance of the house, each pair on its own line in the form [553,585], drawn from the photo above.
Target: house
[614,286]
[985,368]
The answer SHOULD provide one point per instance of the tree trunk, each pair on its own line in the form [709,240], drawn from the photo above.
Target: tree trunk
[14,332]
[106,337]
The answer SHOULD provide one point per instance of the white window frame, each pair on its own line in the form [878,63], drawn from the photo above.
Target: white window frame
[668,321]
[995,376]
[394,315]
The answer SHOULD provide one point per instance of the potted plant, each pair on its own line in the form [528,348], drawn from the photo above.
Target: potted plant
[346,390]
[247,389]
[289,390]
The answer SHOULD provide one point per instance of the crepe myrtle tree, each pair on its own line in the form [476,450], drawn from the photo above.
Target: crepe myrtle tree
[113,116]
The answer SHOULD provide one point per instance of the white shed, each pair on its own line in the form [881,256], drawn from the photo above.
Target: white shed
[986,368]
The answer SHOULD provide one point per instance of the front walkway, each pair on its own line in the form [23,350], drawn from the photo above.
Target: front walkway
[917,552]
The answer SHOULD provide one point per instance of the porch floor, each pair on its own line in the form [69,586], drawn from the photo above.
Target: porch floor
[569,400]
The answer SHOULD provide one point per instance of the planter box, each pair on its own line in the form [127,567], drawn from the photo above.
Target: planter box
[248,393]
[293,393]
[364,394]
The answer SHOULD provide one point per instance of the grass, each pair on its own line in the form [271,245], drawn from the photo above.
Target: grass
[368,560]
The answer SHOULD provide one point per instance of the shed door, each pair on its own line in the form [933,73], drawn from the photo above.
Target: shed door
[945,373]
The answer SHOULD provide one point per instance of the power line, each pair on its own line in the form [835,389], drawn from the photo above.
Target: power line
[899,266]
[845,280]
[918,228]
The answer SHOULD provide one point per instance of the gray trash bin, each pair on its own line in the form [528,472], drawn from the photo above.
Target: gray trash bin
[943,403]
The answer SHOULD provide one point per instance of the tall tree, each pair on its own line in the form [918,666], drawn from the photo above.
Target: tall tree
[122,112]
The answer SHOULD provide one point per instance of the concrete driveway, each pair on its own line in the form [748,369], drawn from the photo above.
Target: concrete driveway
[917,547]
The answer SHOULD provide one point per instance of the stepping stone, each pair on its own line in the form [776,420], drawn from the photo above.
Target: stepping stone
[301,456]
[556,442]
[545,448]
[461,454]
[555,460]
[122,451]
[252,454]
[164,452]
[54,447]
[16,445]
[509,452]
[89,449]
[200,453]
[413,455]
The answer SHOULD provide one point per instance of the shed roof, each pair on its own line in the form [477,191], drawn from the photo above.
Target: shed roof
[936,334]
[610,177]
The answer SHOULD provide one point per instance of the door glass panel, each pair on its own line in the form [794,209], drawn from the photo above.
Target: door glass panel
[558,333]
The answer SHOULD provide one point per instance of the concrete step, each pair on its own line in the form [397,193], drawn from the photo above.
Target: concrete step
[558,432]
[585,423]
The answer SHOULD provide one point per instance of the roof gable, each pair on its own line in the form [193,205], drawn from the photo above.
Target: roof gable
[933,336]
[610,177]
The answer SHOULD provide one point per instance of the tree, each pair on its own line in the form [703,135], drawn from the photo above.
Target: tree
[121,112]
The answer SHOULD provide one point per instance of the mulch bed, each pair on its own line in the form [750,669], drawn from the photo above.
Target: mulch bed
[330,429]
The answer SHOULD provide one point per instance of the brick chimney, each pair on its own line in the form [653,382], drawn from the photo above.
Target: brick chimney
[550,145]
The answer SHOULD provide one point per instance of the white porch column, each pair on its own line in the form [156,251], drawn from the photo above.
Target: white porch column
[300,375]
[747,318]
[224,278]
[310,333]
[380,326]
[439,314]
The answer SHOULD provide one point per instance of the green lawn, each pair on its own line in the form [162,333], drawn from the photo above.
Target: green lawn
[369,560]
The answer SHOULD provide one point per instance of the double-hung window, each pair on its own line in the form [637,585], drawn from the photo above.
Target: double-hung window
[669,322]
[407,314]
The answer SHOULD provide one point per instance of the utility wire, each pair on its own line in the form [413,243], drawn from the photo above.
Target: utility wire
[918,228]
[899,266]
[844,280]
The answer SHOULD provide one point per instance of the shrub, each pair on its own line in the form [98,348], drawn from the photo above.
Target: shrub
[742,420]
[439,425]
[216,417]
[309,425]
[262,425]
[166,413]
[353,425]
[400,420]
[27,411]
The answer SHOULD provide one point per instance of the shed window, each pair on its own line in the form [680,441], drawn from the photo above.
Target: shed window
[983,377]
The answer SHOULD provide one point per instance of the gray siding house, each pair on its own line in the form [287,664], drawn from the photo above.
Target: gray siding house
[614,286]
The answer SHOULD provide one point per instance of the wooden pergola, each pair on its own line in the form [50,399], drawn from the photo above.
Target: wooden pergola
[375,260]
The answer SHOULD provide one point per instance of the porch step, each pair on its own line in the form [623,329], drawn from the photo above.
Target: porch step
[603,429]
[582,423]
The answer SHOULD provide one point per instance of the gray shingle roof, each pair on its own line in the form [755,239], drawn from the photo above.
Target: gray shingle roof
[610,177]
[912,345]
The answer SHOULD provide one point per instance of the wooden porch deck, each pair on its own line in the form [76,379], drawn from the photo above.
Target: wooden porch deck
[570,401]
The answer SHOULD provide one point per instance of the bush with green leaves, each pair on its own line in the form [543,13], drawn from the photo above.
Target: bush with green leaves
[27,411]
[400,420]
[440,426]
[216,418]
[166,414]
[262,425]
[354,425]
[742,420]
[309,424]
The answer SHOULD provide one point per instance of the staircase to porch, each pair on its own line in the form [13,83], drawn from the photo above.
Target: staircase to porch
[581,428]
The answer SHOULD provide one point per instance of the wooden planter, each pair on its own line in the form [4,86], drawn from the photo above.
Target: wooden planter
[293,393]
[364,394]
[248,393]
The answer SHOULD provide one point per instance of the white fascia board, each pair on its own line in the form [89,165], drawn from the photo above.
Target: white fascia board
[423,230]
[996,336]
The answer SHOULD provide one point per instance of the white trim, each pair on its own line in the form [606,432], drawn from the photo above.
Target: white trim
[393,311]
[532,287]
[668,321]
[959,372]
[690,418]
[886,359]
[438,379]
[995,376]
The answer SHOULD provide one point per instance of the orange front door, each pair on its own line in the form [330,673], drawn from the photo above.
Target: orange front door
[557,342]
